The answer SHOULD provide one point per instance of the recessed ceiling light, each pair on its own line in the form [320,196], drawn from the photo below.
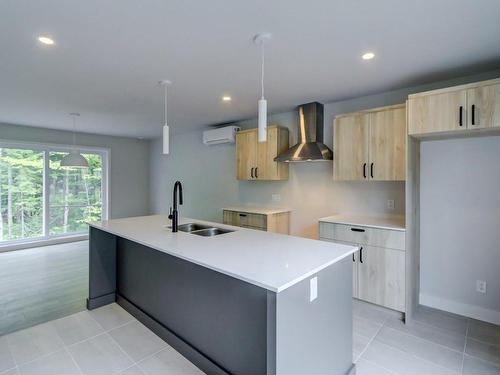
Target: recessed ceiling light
[45,40]
[368,56]
[226,98]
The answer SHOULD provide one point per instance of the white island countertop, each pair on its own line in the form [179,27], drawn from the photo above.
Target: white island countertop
[380,222]
[269,260]
[257,210]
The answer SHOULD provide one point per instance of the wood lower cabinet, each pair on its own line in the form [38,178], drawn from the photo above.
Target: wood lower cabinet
[255,160]
[379,274]
[370,145]
[456,110]
[271,221]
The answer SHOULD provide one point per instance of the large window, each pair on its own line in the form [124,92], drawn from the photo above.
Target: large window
[41,200]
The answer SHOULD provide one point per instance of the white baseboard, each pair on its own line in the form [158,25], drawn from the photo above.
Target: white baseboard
[471,311]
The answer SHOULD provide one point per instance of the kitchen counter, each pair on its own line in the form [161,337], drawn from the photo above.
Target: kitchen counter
[242,302]
[381,222]
[257,210]
[268,260]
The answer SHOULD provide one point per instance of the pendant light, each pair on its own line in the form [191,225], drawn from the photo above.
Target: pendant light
[166,130]
[260,40]
[74,159]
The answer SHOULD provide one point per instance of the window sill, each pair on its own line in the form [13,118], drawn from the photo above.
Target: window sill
[43,242]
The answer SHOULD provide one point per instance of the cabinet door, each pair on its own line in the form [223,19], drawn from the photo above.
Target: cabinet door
[350,150]
[484,107]
[437,113]
[388,145]
[246,154]
[381,277]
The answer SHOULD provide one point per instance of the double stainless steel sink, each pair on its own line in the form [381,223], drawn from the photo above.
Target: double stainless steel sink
[202,230]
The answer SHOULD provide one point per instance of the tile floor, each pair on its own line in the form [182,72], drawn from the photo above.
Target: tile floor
[110,341]
[436,343]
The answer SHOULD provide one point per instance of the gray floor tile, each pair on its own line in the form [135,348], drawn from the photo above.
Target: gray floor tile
[6,359]
[441,319]
[420,348]
[400,362]
[111,316]
[59,363]
[99,356]
[77,327]
[134,370]
[371,312]
[365,327]
[485,332]
[137,341]
[168,361]
[359,345]
[475,366]
[483,350]
[450,339]
[11,372]
[34,342]
[364,367]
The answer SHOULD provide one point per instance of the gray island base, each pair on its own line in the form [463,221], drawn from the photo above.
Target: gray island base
[222,324]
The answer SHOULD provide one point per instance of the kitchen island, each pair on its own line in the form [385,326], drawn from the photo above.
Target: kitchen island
[244,302]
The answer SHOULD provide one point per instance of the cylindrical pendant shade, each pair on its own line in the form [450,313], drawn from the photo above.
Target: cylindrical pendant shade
[166,139]
[262,120]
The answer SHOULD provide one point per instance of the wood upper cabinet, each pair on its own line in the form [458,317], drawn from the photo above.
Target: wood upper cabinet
[350,149]
[437,113]
[388,145]
[370,145]
[255,160]
[484,107]
[456,109]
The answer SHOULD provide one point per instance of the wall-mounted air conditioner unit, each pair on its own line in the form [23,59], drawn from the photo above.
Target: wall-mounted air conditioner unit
[227,134]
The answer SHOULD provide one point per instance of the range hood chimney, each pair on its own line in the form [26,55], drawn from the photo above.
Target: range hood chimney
[310,146]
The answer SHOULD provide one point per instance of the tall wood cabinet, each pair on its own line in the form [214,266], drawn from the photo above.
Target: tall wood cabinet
[459,109]
[370,145]
[255,160]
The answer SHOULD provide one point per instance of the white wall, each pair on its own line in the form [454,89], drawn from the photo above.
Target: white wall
[129,159]
[460,226]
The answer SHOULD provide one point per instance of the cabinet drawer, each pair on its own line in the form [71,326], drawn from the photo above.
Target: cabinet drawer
[247,220]
[363,235]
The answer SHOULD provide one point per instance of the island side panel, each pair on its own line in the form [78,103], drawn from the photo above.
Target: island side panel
[316,337]
[222,318]
[102,268]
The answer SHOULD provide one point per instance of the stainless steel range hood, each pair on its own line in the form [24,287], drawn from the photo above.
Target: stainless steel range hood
[310,146]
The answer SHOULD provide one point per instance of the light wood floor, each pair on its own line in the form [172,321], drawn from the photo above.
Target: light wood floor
[42,284]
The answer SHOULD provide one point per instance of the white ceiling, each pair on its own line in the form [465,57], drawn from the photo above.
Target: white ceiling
[109,55]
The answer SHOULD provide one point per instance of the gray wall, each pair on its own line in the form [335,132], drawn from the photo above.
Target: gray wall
[459,225]
[208,173]
[129,159]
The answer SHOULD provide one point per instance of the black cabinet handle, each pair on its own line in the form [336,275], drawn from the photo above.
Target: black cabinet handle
[361,254]
[251,172]
[353,259]
[364,170]
[473,115]
[371,170]
[357,230]
[256,175]
[460,116]
[243,215]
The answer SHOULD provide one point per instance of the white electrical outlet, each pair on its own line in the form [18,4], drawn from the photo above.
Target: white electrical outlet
[390,204]
[313,293]
[276,197]
[481,286]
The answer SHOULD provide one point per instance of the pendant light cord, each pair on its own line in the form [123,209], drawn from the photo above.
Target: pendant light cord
[262,68]
[165,103]
[74,131]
